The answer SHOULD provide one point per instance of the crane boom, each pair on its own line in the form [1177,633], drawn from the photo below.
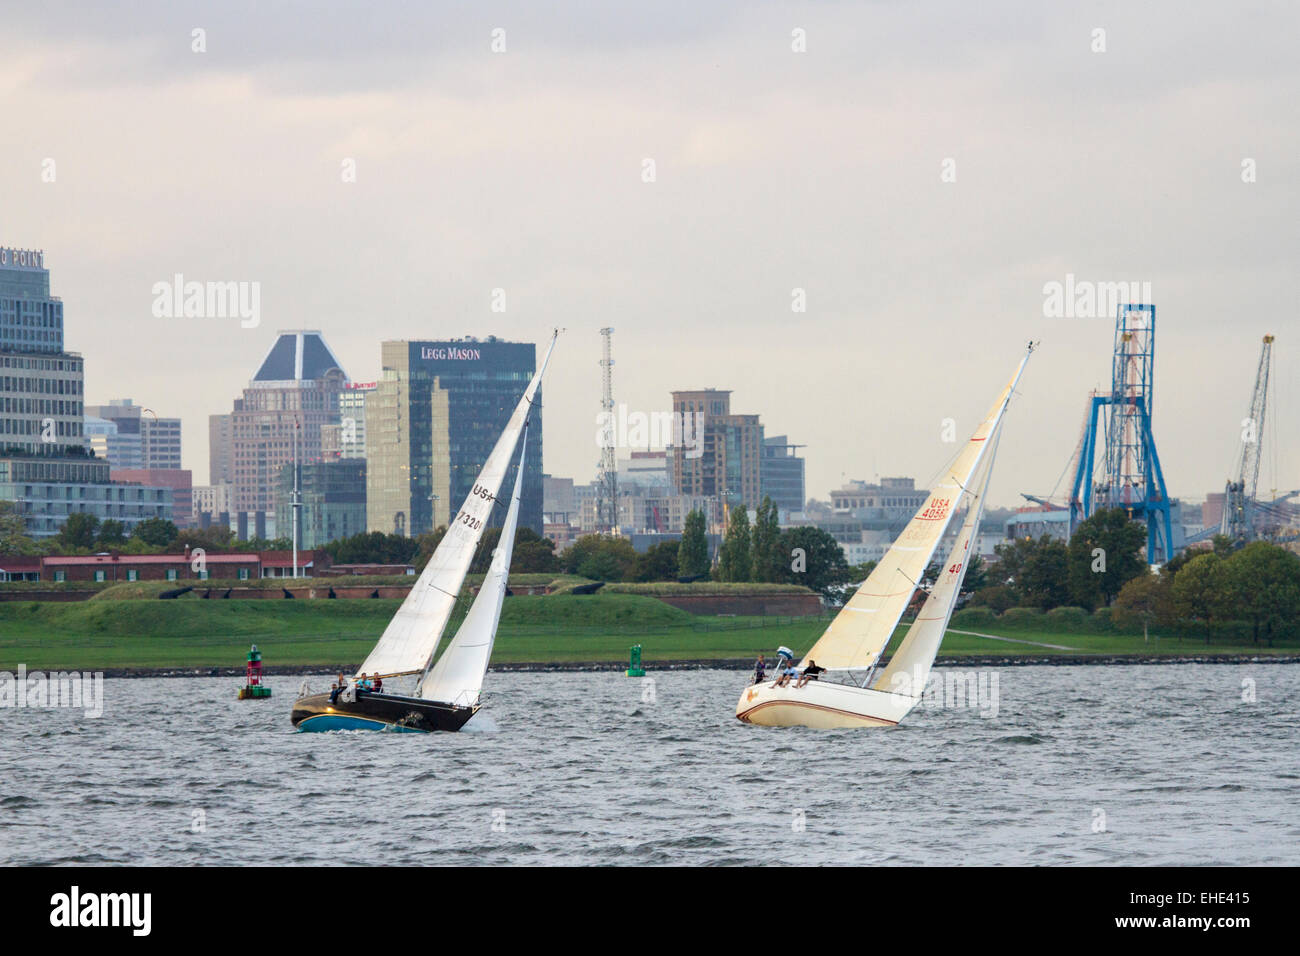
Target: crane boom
[1239,494]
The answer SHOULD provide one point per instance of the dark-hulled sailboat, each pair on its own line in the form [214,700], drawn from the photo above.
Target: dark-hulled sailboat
[447,692]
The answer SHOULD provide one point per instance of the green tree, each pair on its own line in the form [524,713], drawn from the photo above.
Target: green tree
[213,538]
[1200,592]
[13,531]
[483,553]
[1263,588]
[78,532]
[1147,600]
[156,532]
[600,557]
[860,572]
[764,558]
[977,574]
[693,552]
[426,544]
[373,547]
[815,560]
[1222,545]
[1105,554]
[733,557]
[658,563]
[112,534]
[996,597]
[533,554]
[1035,571]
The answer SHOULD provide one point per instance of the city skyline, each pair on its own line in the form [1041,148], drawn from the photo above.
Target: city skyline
[921,217]
[1014,500]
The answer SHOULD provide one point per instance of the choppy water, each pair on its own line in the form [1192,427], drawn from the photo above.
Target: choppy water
[578,768]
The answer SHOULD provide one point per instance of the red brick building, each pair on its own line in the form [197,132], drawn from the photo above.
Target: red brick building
[187,566]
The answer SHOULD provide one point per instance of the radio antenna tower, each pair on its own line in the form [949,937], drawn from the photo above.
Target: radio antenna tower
[607,480]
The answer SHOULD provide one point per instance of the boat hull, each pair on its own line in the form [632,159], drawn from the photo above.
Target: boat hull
[821,705]
[370,711]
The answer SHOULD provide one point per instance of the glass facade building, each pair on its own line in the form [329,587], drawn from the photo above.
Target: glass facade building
[782,474]
[332,495]
[46,466]
[431,422]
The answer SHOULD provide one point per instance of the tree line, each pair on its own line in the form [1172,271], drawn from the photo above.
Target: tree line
[1255,588]
[84,533]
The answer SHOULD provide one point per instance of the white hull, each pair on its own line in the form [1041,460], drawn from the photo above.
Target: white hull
[822,705]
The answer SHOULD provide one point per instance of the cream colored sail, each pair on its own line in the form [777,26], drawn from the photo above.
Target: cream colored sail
[909,667]
[411,638]
[457,678]
[858,634]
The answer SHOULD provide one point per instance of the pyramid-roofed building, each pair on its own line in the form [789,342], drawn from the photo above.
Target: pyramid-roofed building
[292,396]
[298,356]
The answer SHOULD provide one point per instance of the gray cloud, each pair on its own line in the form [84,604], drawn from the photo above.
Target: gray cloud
[775,170]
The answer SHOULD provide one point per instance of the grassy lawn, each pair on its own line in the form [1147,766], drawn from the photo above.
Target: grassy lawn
[91,635]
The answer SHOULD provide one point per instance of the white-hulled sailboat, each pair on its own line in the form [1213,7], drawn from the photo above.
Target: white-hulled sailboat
[446,692]
[850,693]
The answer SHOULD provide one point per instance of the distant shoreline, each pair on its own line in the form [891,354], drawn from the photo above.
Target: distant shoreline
[732,664]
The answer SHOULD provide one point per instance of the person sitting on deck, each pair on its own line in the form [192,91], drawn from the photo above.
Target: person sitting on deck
[786,674]
[338,688]
[809,673]
[363,683]
[379,684]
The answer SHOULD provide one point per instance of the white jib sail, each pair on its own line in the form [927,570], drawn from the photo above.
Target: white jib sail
[858,634]
[909,667]
[457,678]
[411,638]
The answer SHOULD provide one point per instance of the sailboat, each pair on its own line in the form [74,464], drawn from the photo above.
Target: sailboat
[850,693]
[446,693]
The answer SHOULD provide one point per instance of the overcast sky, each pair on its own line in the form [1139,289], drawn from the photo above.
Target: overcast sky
[774,170]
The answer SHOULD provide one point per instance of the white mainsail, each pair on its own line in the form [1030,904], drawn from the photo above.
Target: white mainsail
[858,634]
[411,638]
[457,678]
[909,667]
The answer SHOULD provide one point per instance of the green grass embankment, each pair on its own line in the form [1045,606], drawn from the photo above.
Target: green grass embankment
[195,633]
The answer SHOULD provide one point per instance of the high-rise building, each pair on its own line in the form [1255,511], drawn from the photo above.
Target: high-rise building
[46,466]
[352,419]
[179,480]
[40,384]
[431,422]
[132,437]
[160,440]
[211,505]
[221,451]
[782,474]
[332,498]
[294,393]
[107,441]
[720,454]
